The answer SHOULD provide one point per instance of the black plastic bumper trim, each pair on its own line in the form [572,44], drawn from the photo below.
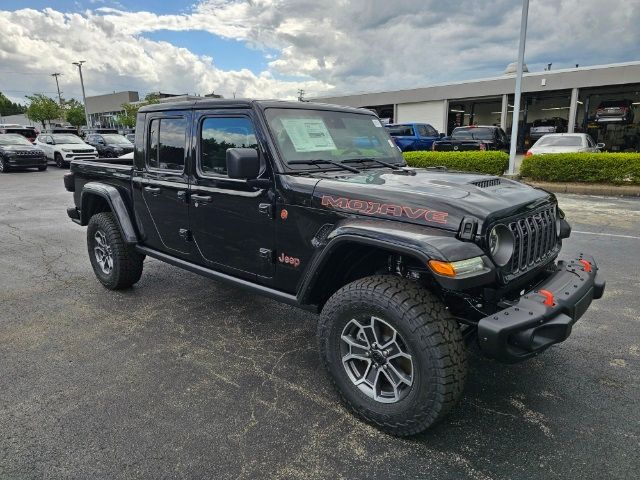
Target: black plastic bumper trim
[528,326]
[74,214]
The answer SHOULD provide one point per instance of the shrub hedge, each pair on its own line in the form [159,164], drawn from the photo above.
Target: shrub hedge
[491,162]
[616,168]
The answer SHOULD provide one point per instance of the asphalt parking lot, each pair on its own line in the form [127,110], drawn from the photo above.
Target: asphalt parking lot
[182,377]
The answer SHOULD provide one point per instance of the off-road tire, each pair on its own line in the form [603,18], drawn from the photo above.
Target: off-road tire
[127,263]
[429,332]
[60,163]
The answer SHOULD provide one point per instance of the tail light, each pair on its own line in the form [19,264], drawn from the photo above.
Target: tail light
[528,154]
[483,147]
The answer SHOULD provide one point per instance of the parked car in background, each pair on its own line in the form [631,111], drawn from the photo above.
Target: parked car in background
[131,137]
[109,145]
[473,137]
[547,125]
[614,111]
[28,132]
[413,136]
[18,152]
[564,143]
[63,147]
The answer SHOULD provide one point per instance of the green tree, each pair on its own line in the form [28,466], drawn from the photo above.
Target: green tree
[74,112]
[130,110]
[7,107]
[42,109]
[128,115]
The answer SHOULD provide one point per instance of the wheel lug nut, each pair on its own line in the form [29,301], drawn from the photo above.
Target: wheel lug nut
[385,366]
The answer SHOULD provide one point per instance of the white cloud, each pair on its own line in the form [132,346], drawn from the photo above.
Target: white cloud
[337,44]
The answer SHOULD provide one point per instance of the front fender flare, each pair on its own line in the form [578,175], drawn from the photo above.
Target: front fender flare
[423,243]
[117,205]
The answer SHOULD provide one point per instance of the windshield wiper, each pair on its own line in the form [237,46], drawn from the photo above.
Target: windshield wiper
[318,161]
[395,166]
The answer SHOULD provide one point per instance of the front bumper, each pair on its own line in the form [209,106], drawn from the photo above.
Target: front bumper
[69,157]
[544,316]
[26,162]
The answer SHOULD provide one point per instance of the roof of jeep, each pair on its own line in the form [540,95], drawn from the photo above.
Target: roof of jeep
[206,103]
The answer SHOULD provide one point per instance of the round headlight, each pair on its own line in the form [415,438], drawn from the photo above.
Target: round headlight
[501,244]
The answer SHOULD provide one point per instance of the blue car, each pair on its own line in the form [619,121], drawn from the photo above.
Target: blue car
[411,137]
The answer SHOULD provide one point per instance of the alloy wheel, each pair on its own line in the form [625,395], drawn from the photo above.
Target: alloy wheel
[102,251]
[377,360]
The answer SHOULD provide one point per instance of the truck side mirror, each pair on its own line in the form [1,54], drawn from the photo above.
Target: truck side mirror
[243,163]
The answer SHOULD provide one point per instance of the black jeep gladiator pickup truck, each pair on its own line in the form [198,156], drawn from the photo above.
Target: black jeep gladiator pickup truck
[313,205]
[473,137]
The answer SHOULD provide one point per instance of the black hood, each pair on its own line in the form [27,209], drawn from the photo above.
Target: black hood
[435,198]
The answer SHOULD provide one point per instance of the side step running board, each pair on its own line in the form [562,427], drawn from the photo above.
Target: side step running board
[238,282]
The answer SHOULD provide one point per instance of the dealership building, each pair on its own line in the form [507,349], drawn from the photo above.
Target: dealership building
[103,110]
[567,97]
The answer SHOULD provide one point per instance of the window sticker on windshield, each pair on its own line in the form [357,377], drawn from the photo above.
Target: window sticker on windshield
[308,134]
[376,123]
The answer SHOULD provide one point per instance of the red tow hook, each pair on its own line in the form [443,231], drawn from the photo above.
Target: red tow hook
[548,297]
[586,264]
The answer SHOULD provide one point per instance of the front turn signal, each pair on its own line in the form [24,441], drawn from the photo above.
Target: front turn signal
[442,268]
[459,268]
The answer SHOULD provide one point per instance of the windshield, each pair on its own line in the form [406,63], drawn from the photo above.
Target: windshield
[113,139]
[473,134]
[67,139]
[559,141]
[13,139]
[400,131]
[330,135]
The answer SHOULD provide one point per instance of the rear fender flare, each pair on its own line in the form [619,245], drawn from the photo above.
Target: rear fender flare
[116,204]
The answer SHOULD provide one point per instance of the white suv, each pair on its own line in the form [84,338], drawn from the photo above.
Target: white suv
[64,147]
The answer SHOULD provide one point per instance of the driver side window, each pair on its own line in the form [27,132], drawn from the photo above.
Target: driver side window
[219,134]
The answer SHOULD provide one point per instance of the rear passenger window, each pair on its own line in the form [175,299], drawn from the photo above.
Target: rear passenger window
[167,139]
[217,135]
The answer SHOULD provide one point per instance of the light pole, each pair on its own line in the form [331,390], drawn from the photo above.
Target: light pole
[516,101]
[56,75]
[84,97]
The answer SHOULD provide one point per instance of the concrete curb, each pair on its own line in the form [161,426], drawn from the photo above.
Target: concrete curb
[588,188]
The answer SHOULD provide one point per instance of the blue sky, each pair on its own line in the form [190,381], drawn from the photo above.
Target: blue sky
[227,54]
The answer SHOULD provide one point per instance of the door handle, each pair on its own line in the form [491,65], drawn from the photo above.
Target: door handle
[201,198]
[152,190]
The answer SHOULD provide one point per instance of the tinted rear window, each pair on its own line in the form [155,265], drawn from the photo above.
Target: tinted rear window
[473,133]
[614,103]
[563,141]
[25,132]
[400,131]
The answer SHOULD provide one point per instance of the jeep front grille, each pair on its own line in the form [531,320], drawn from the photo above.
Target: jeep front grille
[535,239]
